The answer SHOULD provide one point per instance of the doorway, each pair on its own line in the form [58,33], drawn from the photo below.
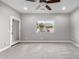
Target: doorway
[14,30]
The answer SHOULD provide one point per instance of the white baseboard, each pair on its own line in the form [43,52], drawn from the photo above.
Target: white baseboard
[14,43]
[43,41]
[75,44]
[3,49]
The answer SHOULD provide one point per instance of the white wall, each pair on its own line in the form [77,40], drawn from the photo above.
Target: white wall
[62,28]
[5,13]
[75,26]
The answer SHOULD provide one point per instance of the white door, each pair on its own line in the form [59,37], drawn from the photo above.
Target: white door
[15,30]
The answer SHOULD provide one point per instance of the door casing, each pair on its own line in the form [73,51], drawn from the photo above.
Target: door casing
[11,24]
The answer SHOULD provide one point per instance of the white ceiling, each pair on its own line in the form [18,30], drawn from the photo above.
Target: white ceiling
[31,6]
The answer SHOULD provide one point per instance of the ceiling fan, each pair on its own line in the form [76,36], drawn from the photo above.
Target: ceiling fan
[45,3]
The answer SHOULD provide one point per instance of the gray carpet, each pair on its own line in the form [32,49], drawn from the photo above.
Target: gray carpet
[41,51]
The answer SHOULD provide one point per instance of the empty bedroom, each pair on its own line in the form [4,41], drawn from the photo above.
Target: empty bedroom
[39,29]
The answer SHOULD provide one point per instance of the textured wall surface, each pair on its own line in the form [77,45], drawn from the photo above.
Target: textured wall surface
[62,30]
[75,26]
[5,13]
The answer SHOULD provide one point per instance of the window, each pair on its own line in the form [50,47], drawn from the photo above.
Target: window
[45,26]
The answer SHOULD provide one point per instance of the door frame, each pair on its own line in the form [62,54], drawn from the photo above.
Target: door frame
[11,23]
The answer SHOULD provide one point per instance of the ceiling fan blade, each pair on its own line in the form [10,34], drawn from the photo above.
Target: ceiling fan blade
[42,0]
[53,1]
[50,1]
[48,7]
